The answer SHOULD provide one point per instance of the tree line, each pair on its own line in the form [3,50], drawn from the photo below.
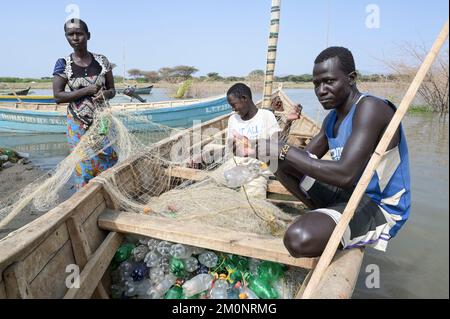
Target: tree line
[183,72]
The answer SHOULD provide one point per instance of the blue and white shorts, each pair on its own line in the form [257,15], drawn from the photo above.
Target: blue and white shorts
[370,224]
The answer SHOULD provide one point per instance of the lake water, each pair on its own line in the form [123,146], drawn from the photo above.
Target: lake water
[416,264]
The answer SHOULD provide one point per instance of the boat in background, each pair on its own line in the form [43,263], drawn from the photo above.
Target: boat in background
[20,92]
[35,118]
[27,99]
[144,90]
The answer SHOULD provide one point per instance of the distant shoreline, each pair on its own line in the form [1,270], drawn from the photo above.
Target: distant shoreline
[391,90]
[161,84]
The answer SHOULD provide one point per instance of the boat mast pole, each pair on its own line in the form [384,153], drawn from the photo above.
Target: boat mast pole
[375,160]
[271,53]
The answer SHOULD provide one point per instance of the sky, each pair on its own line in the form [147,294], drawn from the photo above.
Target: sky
[224,36]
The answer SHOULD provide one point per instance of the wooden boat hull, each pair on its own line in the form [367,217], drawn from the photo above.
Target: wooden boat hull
[87,229]
[36,119]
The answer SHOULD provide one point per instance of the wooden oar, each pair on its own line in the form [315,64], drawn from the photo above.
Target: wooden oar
[338,232]
[271,53]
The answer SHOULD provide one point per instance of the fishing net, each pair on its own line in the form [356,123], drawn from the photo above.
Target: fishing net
[154,175]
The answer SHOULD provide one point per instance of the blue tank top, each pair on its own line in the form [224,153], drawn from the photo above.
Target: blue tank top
[390,185]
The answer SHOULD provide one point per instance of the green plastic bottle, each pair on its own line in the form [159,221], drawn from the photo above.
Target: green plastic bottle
[261,287]
[176,292]
[123,253]
[104,126]
[177,267]
[239,262]
[270,271]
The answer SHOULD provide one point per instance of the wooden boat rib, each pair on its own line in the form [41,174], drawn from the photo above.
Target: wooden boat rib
[87,229]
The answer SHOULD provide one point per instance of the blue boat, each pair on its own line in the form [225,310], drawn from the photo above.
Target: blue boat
[51,118]
[27,99]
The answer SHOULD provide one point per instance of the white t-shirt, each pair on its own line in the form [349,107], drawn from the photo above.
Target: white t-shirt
[261,126]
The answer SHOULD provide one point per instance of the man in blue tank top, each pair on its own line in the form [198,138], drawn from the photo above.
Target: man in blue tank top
[350,133]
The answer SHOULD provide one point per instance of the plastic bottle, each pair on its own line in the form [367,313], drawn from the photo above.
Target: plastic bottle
[176,292]
[253,266]
[124,271]
[270,271]
[152,244]
[156,275]
[220,288]
[139,288]
[152,259]
[139,253]
[103,126]
[177,267]
[209,259]
[191,264]
[140,271]
[180,251]
[117,291]
[164,248]
[261,287]
[202,269]
[197,284]
[164,264]
[159,290]
[242,174]
[282,289]
[244,292]
[124,252]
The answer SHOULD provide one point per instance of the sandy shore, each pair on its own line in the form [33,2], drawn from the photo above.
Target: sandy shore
[14,179]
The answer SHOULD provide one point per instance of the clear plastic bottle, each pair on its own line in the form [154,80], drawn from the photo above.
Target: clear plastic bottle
[191,264]
[164,264]
[139,288]
[139,253]
[209,259]
[197,284]
[220,289]
[244,292]
[152,244]
[181,251]
[125,270]
[152,259]
[242,174]
[156,275]
[159,290]
[164,248]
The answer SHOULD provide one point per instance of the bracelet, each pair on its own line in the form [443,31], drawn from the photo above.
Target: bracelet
[283,152]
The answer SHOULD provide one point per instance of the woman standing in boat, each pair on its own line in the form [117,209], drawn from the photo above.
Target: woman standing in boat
[90,79]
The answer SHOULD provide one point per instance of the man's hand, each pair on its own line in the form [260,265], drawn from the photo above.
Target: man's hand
[242,146]
[295,113]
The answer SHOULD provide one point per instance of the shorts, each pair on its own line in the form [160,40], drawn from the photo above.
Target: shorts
[370,224]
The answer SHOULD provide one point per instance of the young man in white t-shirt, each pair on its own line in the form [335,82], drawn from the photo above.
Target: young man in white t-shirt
[246,126]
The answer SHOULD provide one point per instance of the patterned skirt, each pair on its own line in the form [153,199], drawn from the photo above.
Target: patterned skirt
[88,169]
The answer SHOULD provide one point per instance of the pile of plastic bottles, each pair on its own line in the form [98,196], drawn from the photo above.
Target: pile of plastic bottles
[153,269]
